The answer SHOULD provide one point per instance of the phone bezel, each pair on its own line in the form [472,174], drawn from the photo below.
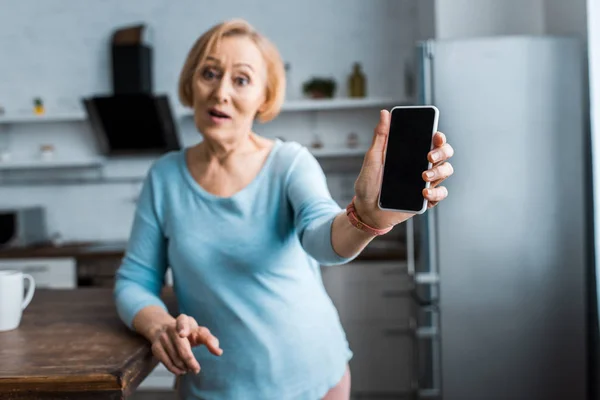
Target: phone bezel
[429,164]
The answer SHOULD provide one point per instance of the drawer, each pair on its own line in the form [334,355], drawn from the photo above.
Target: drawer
[371,303]
[52,273]
[380,273]
[384,358]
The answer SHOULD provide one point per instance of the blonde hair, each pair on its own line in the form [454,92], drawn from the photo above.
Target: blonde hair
[275,90]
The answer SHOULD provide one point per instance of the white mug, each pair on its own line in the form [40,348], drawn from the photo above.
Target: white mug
[12,302]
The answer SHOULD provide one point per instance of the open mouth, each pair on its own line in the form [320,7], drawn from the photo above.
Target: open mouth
[218,114]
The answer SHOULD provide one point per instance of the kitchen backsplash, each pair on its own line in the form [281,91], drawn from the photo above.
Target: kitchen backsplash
[105,211]
[42,59]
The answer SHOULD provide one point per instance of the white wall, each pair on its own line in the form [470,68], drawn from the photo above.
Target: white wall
[566,17]
[58,49]
[471,18]
[456,19]
[593,29]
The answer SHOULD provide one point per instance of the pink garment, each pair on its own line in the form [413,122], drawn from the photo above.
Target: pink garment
[341,391]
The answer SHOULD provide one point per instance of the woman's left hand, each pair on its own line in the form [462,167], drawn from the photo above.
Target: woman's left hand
[368,184]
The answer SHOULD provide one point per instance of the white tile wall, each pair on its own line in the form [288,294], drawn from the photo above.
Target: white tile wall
[473,18]
[58,50]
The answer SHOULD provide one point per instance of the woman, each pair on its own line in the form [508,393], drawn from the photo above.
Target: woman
[244,222]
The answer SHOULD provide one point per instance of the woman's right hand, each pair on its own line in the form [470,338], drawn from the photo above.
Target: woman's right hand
[172,344]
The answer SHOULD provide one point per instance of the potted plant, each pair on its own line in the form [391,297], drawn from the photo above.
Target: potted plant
[319,88]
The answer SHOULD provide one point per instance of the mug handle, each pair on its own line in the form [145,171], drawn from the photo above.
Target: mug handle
[30,291]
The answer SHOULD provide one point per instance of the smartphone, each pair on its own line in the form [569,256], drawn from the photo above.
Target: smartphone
[409,142]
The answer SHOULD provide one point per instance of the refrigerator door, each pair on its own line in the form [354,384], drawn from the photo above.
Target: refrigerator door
[510,243]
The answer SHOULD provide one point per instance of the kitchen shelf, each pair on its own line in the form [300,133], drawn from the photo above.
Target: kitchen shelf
[330,104]
[340,103]
[50,164]
[290,106]
[49,117]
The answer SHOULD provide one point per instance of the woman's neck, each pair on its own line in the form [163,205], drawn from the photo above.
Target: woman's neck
[210,150]
[226,168]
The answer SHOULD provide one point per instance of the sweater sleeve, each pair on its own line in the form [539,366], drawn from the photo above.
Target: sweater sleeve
[314,208]
[140,276]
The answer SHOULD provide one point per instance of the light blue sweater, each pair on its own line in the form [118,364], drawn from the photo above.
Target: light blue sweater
[247,268]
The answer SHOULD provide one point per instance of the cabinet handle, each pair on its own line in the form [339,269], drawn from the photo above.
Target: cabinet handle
[427,332]
[427,279]
[28,269]
[35,268]
[410,328]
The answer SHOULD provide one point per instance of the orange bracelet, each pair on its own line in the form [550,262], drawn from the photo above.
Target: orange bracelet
[357,223]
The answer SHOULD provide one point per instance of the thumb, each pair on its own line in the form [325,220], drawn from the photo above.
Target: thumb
[374,156]
[381,132]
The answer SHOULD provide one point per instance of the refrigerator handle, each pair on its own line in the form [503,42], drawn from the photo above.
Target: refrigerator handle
[425,58]
[410,247]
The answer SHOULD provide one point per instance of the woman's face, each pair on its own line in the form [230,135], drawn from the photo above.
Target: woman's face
[229,89]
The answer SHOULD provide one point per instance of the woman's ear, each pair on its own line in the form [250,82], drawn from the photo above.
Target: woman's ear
[261,109]
[259,112]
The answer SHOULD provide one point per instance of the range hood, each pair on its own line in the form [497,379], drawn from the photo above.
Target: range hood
[133,120]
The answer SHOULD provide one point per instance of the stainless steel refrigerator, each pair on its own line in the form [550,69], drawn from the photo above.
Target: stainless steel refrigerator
[504,259]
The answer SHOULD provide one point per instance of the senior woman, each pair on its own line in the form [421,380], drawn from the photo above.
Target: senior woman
[244,223]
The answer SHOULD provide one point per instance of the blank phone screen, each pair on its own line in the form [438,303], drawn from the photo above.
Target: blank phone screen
[409,142]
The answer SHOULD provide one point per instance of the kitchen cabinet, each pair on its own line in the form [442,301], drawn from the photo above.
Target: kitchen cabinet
[51,273]
[376,307]
[98,271]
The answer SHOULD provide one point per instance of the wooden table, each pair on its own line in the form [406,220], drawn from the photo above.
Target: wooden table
[72,345]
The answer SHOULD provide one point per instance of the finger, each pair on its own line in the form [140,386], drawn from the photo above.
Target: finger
[183,325]
[439,139]
[203,336]
[441,154]
[441,171]
[184,351]
[436,183]
[435,194]
[162,356]
[431,204]
[165,340]
[381,131]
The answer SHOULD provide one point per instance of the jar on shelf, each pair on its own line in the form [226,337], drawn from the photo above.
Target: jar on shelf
[317,143]
[47,152]
[357,82]
[352,140]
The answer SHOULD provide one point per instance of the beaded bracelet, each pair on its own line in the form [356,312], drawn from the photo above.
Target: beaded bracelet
[357,223]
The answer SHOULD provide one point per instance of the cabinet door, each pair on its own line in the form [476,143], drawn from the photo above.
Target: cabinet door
[389,273]
[374,304]
[384,359]
[371,291]
[52,273]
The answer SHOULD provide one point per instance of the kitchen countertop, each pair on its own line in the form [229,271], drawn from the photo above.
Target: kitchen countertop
[71,249]
[379,249]
[72,345]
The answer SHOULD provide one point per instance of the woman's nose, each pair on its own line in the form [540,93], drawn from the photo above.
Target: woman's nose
[222,91]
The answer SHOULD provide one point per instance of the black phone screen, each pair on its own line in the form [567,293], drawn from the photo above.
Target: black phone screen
[409,142]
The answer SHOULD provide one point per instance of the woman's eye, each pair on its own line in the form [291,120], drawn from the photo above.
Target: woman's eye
[242,81]
[209,74]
